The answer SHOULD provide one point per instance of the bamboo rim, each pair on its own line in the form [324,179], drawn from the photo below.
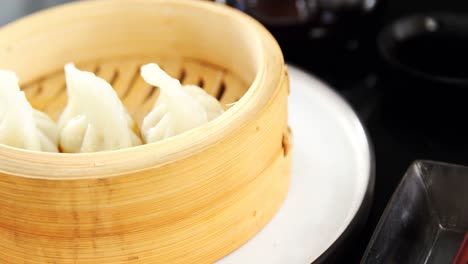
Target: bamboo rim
[271,74]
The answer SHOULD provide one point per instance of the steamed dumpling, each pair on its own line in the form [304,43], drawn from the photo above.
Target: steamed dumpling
[94,118]
[178,108]
[22,126]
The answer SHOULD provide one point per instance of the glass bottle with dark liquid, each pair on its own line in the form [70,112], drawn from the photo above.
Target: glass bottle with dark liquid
[334,39]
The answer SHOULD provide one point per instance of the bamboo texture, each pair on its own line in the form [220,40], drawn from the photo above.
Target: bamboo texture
[193,198]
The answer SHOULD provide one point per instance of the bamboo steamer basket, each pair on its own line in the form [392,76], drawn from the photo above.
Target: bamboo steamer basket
[193,198]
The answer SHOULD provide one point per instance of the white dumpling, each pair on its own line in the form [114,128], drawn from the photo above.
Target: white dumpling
[94,118]
[22,126]
[178,108]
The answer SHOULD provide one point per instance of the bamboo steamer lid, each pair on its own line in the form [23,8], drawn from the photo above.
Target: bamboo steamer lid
[193,198]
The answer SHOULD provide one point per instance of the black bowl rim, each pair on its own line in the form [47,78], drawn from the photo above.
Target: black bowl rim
[387,39]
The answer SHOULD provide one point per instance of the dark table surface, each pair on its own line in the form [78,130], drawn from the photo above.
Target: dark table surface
[396,146]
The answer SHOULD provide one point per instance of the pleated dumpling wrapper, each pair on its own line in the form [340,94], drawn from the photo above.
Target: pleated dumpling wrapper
[94,118]
[178,108]
[22,126]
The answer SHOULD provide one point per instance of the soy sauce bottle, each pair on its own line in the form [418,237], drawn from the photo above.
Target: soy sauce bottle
[334,39]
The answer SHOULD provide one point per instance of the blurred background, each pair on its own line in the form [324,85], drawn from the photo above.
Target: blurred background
[336,40]
[12,9]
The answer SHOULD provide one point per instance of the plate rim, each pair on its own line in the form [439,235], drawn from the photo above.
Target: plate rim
[361,215]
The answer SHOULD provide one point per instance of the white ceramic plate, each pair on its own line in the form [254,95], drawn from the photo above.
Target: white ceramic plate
[330,175]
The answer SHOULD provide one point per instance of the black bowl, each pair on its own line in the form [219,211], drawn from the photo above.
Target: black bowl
[425,73]
[428,47]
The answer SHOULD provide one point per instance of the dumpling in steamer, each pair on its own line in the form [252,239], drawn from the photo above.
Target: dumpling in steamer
[94,118]
[22,126]
[178,108]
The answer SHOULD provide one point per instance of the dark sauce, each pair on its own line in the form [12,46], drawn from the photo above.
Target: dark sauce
[436,54]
